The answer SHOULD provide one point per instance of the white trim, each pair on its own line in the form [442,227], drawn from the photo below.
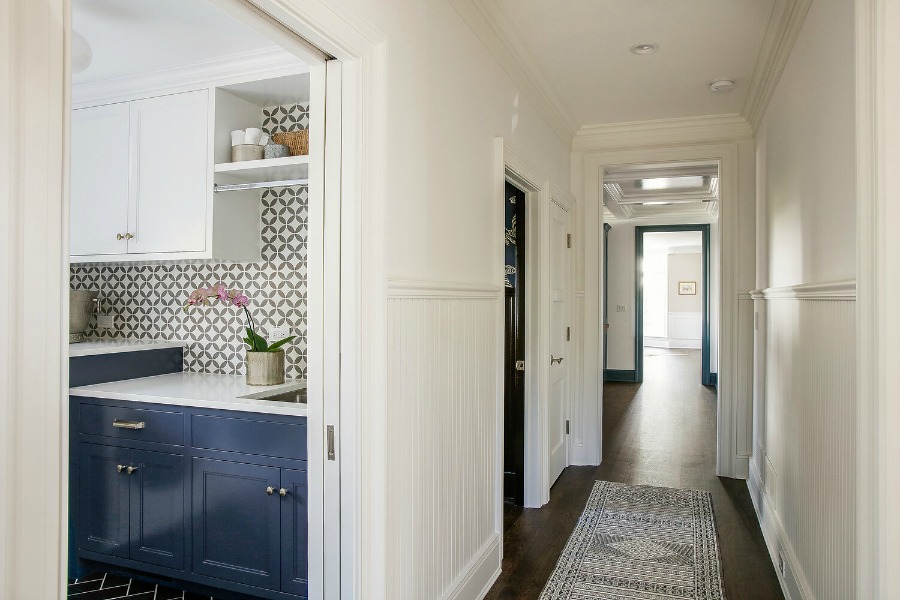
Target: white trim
[661,132]
[777,541]
[237,68]
[494,27]
[838,290]
[484,567]
[562,197]
[878,282]
[521,173]
[782,30]
[731,417]
[409,288]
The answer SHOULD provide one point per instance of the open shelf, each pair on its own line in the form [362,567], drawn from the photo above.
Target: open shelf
[271,169]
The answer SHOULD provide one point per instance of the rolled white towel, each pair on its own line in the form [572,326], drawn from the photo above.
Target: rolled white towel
[252,136]
[264,139]
[237,137]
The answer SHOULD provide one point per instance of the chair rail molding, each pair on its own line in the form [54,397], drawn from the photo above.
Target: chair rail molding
[838,290]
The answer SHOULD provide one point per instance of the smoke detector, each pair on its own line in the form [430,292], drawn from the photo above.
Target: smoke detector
[721,85]
[645,48]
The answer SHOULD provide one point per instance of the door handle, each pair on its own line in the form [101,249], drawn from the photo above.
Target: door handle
[555,360]
[329,433]
[605,326]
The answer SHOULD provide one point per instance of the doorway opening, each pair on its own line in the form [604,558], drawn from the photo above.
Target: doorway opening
[183,202]
[514,346]
[672,295]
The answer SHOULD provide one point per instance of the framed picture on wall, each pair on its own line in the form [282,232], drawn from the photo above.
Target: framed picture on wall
[687,288]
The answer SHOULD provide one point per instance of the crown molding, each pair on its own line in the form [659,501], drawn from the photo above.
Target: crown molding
[662,132]
[782,30]
[495,28]
[263,64]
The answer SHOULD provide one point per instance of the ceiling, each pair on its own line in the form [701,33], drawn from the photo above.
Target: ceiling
[144,36]
[662,191]
[576,54]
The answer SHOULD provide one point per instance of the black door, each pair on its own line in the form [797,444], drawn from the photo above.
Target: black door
[514,381]
[606,228]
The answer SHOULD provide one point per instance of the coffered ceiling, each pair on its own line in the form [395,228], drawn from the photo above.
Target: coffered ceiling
[683,191]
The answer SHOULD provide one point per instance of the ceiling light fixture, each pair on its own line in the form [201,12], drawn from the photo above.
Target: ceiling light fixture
[656,203]
[721,85]
[671,183]
[645,48]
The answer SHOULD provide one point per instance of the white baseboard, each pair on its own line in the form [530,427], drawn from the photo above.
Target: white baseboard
[794,584]
[476,581]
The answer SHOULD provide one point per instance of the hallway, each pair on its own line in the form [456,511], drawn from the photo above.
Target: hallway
[661,432]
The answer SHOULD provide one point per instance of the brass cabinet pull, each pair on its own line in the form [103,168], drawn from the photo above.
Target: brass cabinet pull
[129,236]
[555,360]
[120,468]
[128,424]
[120,236]
[131,470]
[270,490]
[282,492]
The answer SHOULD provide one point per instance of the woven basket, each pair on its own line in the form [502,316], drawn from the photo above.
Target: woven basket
[297,141]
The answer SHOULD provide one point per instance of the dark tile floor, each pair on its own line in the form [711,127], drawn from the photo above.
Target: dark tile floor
[662,432]
[100,586]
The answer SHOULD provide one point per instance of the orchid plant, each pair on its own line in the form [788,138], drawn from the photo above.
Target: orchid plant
[219,293]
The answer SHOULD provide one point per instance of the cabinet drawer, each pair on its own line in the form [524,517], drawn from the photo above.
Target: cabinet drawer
[249,436]
[164,427]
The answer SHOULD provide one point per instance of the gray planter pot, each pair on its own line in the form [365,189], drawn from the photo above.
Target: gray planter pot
[265,368]
[81,308]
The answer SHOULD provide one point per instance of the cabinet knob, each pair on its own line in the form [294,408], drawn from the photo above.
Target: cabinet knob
[282,492]
[120,236]
[120,468]
[270,490]
[129,236]
[131,470]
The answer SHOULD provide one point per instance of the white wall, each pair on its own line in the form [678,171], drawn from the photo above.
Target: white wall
[803,465]
[685,267]
[447,101]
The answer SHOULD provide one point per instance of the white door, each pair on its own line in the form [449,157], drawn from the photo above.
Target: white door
[560,356]
[99,198]
[170,174]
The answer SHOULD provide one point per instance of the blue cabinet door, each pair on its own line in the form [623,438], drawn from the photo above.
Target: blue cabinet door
[157,508]
[294,528]
[236,518]
[102,503]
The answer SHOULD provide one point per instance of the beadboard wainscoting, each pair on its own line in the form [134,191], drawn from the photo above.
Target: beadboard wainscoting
[802,471]
[445,374]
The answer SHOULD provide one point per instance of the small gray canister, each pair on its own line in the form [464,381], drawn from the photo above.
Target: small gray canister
[277,151]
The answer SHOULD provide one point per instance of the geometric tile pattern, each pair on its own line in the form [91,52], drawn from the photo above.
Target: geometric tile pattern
[146,300]
[640,543]
[289,117]
[103,586]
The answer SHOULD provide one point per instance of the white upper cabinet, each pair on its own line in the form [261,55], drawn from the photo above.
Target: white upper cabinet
[171,183]
[99,183]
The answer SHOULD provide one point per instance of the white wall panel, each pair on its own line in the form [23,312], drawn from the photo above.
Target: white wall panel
[804,463]
[442,482]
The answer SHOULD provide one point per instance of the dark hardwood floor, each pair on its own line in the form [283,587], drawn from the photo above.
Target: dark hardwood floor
[662,432]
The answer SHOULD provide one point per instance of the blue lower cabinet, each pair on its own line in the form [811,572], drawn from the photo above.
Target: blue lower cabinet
[157,509]
[102,517]
[131,504]
[236,515]
[294,537]
[217,499]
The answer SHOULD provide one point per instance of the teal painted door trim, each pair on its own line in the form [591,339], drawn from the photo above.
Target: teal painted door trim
[705,376]
[620,375]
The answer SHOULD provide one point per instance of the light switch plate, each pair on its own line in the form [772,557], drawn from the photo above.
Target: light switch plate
[105,321]
[279,333]
[620,308]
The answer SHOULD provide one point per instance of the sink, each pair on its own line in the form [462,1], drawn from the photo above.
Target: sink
[293,396]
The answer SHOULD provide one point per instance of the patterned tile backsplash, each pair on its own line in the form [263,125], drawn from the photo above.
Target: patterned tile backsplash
[146,300]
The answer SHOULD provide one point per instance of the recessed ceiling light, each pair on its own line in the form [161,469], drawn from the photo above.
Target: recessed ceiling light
[721,85]
[645,48]
[670,183]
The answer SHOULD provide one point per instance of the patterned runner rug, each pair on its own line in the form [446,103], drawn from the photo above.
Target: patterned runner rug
[640,543]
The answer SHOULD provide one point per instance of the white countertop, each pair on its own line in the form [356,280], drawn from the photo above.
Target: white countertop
[201,390]
[94,347]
